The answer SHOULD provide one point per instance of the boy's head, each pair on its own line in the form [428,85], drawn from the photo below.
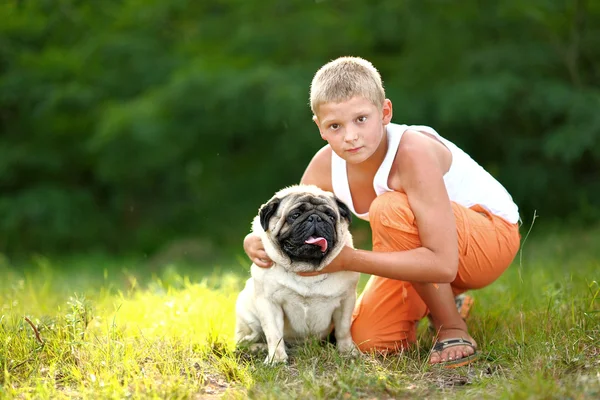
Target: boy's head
[344,78]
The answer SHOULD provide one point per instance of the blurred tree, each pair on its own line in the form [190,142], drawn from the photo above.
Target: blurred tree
[124,124]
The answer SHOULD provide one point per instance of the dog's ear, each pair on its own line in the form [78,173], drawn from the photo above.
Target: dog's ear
[344,210]
[267,211]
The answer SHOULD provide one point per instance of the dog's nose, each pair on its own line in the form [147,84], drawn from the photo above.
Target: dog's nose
[315,218]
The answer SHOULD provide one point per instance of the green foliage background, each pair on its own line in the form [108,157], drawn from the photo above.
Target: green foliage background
[124,124]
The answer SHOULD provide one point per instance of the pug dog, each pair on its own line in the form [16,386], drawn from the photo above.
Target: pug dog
[302,228]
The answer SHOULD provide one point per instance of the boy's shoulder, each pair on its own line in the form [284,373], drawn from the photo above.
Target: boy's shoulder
[318,171]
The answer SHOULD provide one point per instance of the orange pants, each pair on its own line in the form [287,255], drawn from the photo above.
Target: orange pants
[387,311]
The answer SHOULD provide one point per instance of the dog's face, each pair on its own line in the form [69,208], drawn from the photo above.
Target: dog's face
[304,227]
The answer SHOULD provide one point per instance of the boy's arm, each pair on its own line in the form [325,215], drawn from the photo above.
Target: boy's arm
[318,171]
[421,176]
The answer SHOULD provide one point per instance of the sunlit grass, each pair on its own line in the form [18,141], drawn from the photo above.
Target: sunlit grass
[110,329]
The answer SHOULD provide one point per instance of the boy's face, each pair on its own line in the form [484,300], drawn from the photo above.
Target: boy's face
[353,128]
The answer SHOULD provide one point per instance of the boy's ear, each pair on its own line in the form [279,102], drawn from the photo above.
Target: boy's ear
[267,211]
[387,111]
[316,121]
[344,210]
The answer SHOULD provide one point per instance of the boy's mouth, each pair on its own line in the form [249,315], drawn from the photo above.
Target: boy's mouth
[354,150]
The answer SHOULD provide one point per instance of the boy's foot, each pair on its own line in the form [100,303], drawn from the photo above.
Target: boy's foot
[460,358]
[453,348]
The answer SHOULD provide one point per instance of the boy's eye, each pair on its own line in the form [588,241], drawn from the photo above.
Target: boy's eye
[361,119]
[334,126]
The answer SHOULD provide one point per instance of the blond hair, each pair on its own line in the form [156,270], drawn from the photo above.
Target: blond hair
[343,78]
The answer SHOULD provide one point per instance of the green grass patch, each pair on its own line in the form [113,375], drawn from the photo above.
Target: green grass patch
[93,327]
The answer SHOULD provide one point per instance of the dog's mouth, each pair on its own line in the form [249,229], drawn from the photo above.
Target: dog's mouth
[312,249]
[318,241]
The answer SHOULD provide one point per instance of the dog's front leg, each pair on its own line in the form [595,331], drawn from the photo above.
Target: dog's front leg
[342,319]
[271,319]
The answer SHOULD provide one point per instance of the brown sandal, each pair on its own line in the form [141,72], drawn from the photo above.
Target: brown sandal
[442,345]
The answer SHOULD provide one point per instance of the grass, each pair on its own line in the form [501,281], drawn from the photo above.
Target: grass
[101,328]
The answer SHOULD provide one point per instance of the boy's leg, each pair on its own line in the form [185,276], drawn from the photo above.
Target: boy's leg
[387,310]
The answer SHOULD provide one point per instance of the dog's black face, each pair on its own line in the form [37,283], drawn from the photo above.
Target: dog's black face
[309,232]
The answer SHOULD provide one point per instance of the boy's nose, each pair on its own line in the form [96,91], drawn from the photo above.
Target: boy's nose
[351,135]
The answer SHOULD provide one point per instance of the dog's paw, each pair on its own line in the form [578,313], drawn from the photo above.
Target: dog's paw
[257,348]
[280,357]
[347,347]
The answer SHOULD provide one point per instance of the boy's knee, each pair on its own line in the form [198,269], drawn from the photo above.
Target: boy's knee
[371,340]
[372,345]
[393,223]
[392,208]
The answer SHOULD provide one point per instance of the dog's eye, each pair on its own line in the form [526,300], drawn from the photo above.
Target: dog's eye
[295,215]
[331,217]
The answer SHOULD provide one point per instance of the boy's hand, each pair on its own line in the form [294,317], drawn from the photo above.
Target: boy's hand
[255,250]
[338,264]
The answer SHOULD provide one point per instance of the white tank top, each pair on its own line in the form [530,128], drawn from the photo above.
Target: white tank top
[466,181]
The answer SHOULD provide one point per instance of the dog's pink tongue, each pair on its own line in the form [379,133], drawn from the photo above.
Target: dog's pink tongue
[318,241]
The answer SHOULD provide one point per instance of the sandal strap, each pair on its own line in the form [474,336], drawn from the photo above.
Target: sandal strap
[444,344]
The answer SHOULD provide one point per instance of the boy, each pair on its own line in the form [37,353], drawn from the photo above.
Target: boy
[441,224]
